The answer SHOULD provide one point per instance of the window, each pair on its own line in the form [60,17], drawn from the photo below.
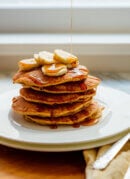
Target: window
[100,30]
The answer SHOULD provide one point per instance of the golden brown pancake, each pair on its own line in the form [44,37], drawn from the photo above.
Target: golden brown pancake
[50,98]
[36,77]
[90,82]
[79,117]
[56,90]
[21,106]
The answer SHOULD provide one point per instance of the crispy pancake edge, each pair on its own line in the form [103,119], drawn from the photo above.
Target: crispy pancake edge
[24,107]
[92,111]
[42,97]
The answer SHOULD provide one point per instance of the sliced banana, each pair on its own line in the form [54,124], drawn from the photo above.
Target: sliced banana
[65,57]
[73,65]
[28,64]
[54,69]
[44,58]
[36,56]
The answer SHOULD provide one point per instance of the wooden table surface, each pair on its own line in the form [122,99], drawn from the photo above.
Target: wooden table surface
[22,164]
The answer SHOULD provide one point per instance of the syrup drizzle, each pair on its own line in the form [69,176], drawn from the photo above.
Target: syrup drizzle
[71,25]
[87,122]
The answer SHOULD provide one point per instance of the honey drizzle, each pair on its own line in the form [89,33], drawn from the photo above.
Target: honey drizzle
[71,25]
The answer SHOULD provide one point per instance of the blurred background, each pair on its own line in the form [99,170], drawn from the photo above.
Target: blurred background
[100,31]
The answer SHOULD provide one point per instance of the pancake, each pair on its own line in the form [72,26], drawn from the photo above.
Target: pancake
[79,117]
[49,98]
[56,91]
[90,82]
[21,106]
[36,77]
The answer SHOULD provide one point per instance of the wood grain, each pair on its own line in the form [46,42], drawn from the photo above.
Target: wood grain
[22,164]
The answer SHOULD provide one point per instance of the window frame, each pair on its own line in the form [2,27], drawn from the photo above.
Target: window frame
[99,37]
[87,17]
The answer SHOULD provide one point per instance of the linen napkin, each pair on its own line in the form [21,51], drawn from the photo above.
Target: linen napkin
[115,170]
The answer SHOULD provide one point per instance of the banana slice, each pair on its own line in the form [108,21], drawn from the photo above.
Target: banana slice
[54,69]
[36,56]
[73,64]
[44,58]
[65,57]
[27,64]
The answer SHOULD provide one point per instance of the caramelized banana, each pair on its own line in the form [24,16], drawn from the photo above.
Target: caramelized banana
[65,57]
[44,58]
[73,65]
[36,56]
[54,69]
[27,64]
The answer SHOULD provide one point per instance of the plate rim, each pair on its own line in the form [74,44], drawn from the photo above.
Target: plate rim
[41,147]
[66,143]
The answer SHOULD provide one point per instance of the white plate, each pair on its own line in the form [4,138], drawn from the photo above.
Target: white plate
[16,132]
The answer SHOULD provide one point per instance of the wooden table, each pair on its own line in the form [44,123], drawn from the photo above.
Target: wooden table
[21,164]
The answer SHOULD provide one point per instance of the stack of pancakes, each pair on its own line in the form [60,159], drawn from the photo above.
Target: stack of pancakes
[57,100]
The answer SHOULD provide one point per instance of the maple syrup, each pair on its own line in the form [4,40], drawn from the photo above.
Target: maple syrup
[71,25]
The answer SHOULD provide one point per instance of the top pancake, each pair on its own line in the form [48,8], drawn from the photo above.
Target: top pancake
[36,77]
